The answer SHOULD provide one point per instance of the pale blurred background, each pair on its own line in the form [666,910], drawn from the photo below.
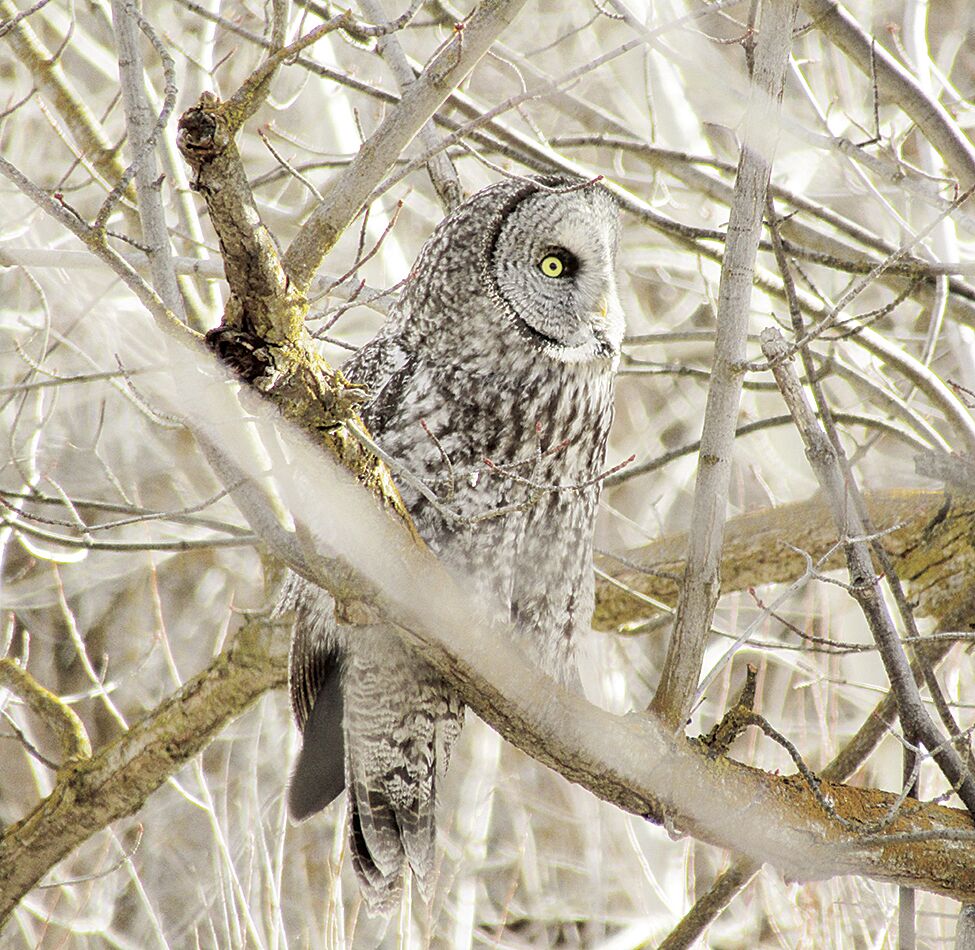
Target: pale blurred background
[528,860]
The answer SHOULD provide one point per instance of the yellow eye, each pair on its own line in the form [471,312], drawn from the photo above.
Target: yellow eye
[552,266]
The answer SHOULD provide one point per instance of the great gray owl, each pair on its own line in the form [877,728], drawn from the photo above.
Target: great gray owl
[492,382]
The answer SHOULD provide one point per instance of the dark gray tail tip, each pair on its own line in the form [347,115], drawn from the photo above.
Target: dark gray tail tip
[307,798]
[318,777]
[299,807]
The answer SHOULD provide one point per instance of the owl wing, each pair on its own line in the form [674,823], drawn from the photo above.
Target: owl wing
[374,718]
[383,367]
[315,662]
[319,774]
[376,361]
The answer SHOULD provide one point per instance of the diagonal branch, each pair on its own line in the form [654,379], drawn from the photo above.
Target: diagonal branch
[894,80]
[864,582]
[780,818]
[353,185]
[441,169]
[94,791]
[551,726]
[47,74]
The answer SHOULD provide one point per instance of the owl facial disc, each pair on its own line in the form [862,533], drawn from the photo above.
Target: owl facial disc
[551,269]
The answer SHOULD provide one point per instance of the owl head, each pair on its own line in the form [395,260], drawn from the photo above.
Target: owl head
[528,262]
[549,263]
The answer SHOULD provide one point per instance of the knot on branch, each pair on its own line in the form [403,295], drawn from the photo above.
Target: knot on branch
[311,394]
[291,375]
[242,352]
[203,132]
[735,720]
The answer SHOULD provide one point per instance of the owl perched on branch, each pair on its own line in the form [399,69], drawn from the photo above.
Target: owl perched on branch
[492,384]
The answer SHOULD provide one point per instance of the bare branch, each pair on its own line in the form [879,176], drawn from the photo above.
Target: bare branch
[443,175]
[60,718]
[822,458]
[165,319]
[699,590]
[143,136]
[353,185]
[47,73]
[895,81]
[117,780]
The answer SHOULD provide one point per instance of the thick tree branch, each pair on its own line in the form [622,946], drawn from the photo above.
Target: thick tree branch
[155,748]
[60,718]
[928,533]
[263,336]
[779,817]
[91,792]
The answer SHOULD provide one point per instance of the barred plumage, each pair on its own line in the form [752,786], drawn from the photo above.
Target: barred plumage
[492,382]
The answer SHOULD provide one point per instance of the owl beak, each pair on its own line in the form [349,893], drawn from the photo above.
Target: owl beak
[602,308]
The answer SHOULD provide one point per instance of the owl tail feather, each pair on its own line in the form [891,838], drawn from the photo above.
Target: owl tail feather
[391,825]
